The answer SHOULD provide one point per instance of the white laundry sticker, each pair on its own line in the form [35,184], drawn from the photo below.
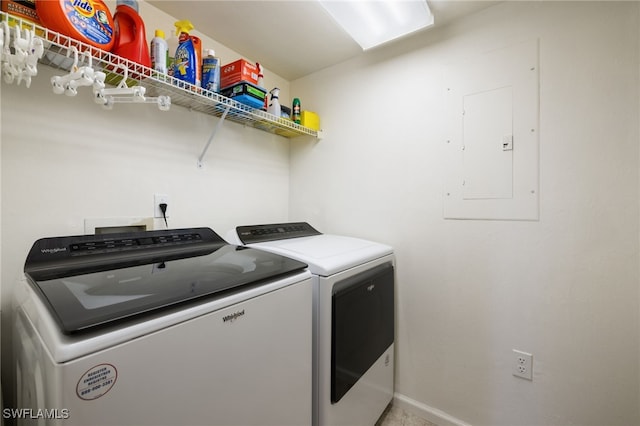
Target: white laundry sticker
[96,382]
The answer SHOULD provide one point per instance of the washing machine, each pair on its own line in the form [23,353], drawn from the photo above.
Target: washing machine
[353,317]
[172,327]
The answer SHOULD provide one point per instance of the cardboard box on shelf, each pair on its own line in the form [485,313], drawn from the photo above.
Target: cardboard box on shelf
[25,9]
[246,93]
[310,119]
[235,72]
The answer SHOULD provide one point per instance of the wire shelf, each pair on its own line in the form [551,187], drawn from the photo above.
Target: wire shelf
[58,54]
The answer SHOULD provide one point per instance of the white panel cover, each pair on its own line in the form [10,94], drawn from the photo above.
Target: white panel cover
[488,167]
[509,71]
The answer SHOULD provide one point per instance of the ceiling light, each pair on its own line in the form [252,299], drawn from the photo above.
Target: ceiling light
[374,22]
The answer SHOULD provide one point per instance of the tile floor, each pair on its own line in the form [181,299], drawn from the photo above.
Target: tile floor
[394,416]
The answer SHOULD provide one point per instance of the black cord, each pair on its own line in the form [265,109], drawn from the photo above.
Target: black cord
[163,209]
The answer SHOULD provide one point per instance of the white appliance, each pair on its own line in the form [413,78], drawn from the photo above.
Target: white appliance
[155,328]
[353,317]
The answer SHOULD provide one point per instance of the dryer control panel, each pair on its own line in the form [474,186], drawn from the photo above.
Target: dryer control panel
[278,231]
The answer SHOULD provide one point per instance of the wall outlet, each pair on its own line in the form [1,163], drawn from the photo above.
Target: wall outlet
[157,200]
[522,365]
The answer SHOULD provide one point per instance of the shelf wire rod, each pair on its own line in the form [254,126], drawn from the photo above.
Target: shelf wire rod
[213,134]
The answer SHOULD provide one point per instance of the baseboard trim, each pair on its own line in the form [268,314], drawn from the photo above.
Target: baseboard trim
[426,412]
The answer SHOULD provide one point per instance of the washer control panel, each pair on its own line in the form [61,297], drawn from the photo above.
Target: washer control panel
[58,256]
[128,243]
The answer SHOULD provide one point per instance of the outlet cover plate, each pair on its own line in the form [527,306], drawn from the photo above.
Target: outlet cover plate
[522,365]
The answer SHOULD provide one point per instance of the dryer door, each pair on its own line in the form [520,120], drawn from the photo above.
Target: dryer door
[362,325]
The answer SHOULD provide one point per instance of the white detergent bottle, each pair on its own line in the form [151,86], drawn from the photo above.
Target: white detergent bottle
[274,105]
[159,52]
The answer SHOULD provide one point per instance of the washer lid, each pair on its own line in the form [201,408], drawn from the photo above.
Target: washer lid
[85,288]
[328,254]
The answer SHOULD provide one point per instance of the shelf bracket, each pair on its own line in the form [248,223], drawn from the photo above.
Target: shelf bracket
[213,134]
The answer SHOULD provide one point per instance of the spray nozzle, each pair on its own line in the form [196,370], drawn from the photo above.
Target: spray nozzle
[183,26]
[275,92]
[260,75]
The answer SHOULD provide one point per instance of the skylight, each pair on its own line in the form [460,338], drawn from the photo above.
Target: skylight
[374,22]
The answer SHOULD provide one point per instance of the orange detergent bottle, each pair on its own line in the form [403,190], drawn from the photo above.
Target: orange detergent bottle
[88,21]
[130,41]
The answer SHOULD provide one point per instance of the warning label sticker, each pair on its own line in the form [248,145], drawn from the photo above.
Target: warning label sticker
[96,382]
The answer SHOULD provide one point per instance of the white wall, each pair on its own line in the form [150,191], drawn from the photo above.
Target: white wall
[564,288]
[66,159]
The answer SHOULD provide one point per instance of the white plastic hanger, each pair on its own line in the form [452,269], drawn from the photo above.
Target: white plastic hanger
[35,50]
[12,63]
[78,77]
[125,94]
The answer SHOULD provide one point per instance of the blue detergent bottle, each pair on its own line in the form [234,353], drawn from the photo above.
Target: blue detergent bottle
[211,71]
[185,63]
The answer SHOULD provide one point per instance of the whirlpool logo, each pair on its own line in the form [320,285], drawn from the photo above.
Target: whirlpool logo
[53,250]
[232,317]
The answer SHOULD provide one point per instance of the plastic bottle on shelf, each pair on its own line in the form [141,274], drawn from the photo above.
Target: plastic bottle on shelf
[96,29]
[295,110]
[130,40]
[172,43]
[159,52]
[260,81]
[185,62]
[197,49]
[274,105]
[211,71]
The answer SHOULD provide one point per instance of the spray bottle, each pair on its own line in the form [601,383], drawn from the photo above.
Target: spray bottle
[260,75]
[185,60]
[265,105]
[274,105]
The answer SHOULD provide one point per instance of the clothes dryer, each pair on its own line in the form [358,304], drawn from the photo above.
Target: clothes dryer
[353,317]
